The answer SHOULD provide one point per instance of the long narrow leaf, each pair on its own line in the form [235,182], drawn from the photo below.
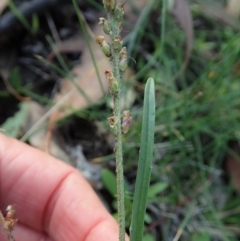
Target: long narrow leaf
[145,163]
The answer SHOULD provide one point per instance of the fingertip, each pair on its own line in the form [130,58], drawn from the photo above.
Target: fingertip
[106,230]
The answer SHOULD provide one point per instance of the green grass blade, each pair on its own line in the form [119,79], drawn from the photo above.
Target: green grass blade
[19,15]
[86,37]
[145,163]
[13,124]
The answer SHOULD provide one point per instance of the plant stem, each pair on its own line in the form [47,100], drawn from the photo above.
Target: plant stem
[119,170]
[118,133]
[120,123]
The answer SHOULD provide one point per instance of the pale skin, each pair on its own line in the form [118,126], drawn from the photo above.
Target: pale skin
[53,201]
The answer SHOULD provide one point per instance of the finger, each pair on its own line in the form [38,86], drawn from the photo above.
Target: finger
[51,196]
[24,233]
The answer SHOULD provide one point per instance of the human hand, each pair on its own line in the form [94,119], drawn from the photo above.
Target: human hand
[53,201]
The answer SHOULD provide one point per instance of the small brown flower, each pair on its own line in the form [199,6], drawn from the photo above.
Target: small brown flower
[119,11]
[113,83]
[112,121]
[106,48]
[10,218]
[110,5]
[123,59]
[106,25]
[126,121]
[117,44]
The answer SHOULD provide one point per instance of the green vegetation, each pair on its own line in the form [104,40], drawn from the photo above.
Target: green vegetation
[197,122]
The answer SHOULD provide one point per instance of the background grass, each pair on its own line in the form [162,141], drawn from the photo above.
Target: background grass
[197,118]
